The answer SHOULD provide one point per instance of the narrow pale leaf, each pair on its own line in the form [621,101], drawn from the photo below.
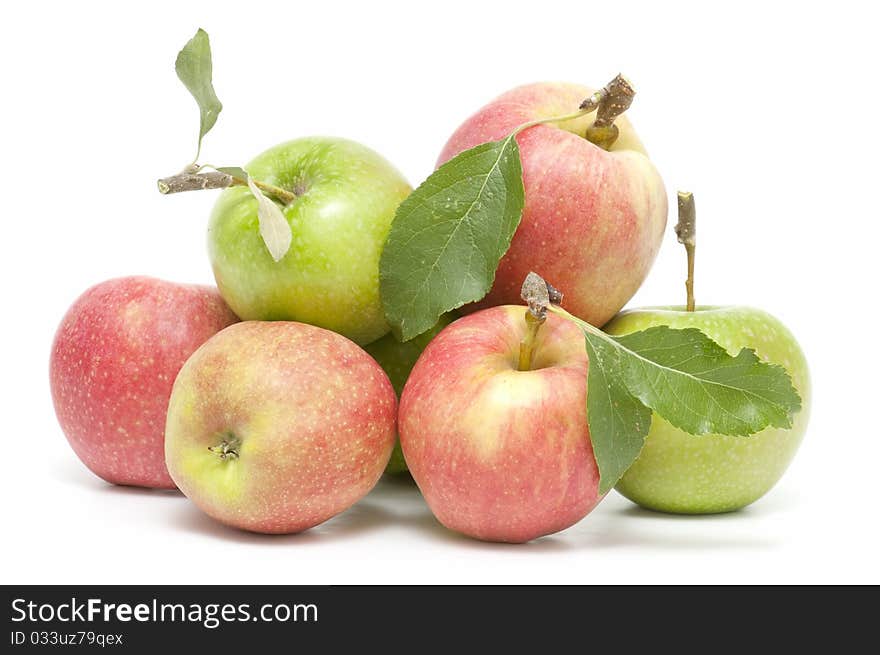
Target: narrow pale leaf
[449,235]
[234,171]
[618,422]
[694,383]
[274,227]
[194,68]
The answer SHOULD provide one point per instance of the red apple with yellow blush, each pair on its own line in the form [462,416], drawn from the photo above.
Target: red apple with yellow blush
[275,427]
[499,446]
[113,363]
[594,213]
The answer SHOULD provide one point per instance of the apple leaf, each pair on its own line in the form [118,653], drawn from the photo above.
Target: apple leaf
[449,235]
[194,68]
[274,227]
[683,376]
[618,422]
[694,383]
[234,171]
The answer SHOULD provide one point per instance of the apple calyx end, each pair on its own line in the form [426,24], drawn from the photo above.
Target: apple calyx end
[228,448]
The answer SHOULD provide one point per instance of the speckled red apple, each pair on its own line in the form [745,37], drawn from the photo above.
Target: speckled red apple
[113,363]
[593,219]
[501,454]
[276,427]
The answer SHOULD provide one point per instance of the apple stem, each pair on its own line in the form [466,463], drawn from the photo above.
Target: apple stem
[538,295]
[553,119]
[686,231]
[187,180]
[527,345]
[610,102]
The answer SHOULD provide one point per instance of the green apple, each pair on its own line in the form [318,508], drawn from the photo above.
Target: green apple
[346,199]
[681,473]
[397,359]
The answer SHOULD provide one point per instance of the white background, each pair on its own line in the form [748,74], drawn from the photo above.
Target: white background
[766,111]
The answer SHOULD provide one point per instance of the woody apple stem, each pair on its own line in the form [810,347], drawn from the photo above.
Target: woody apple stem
[190,181]
[686,231]
[689,283]
[609,102]
[538,294]
[527,345]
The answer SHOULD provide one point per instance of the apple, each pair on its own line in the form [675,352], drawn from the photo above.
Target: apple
[397,359]
[275,427]
[682,473]
[347,197]
[501,454]
[113,362]
[593,219]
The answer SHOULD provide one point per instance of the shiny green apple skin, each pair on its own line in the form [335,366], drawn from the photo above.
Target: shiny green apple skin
[397,359]
[681,473]
[330,276]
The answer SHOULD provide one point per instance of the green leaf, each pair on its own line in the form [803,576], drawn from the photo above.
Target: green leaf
[194,69]
[234,171]
[449,235]
[618,422]
[683,376]
[694,383]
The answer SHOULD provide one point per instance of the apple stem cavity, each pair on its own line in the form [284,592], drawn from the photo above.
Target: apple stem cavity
[228,448]
[187,180]
[686,231]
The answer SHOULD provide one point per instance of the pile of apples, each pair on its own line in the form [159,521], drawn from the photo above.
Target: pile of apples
[272,401]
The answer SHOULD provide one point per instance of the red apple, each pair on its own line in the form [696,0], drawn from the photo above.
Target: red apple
[276,427]
[113,363]
[498,453]
[593,219]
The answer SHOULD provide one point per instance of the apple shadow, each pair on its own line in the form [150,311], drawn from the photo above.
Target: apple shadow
[396,502]
[371,514]
[360,518]
[122,490]
[644,513]
[549,543]
[623,538]
[632,526]
[772,503]
[415,514]
[78,476]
